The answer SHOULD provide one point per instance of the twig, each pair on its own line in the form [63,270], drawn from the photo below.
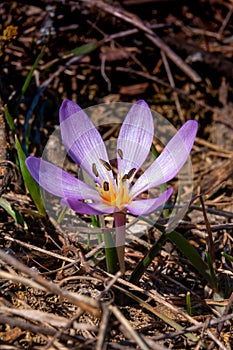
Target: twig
[172,83]
[44,317]
[210,145]
[175,58]
[136,22]
[210,241]
[225,312]
[161,82]
[101,343]
[38,249]
[59,333]
[14,322]
[135,336]
[108,81]
[84,302]
[193,328]
[225,22]
[16,278]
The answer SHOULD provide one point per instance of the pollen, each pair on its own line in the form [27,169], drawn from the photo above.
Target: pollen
[115,193]
[106,165]
[106,186]
[120,153]
[94,170]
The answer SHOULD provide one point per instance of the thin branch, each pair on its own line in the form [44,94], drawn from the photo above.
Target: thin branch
[136,22]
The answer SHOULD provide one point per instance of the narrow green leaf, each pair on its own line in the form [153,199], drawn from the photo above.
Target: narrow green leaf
[182,244]
[188,304]
[160,315]
[30,74]
[84,49]
[191,254]
[12,212]
[30,183]
[61,215]
[148,258]
[211,269]
[227,256]
[94,221]
[9,119]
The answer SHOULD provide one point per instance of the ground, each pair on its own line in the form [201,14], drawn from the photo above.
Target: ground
[55,291]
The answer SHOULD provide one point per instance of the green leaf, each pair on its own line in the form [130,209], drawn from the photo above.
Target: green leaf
[227,256]
[188,304]
[30,74]
[211,269]
[191,254]
[162,316]
[84,49]
[10,120]
[148,258]
[182,244]
[30,183]
[12,212]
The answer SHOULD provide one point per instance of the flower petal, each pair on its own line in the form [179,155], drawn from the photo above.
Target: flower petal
[147,206]
[135,138]
[87,208]
[171,160]
[59,182]
[83,142]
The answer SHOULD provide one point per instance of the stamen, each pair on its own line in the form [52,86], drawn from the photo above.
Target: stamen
[94,170]
[120,153]
[106,186]
[128,176]
[131,172]
[125,177]
[106,165]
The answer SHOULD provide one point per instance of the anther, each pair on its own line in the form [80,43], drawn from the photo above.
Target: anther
[128,176]
[106,186]
[131,172]
[120,153]
[125,177]
[106,165]
[94,170]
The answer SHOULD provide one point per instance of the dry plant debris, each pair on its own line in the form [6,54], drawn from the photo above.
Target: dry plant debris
[54,292]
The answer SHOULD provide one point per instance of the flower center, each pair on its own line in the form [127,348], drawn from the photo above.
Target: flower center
[115,192]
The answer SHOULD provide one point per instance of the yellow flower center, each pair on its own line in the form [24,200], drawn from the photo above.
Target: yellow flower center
[118,195]
[114,193]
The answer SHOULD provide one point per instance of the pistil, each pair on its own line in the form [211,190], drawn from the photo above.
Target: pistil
[115,192]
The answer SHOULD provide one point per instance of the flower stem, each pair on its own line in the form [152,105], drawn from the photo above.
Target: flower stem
[120,221]
[110,253]
[110,249]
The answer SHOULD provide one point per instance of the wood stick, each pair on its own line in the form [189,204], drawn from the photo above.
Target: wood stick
[137,22]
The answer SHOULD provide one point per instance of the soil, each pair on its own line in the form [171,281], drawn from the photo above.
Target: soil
[55,292]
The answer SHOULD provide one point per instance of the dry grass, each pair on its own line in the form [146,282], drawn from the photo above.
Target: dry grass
[54,292]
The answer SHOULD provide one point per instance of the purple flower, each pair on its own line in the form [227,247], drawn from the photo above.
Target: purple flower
[113,193]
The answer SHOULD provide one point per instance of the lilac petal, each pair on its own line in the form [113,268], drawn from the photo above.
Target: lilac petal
[171,160]
[147,206]
[82,140]
[59,182]
[135,138]
[87,208]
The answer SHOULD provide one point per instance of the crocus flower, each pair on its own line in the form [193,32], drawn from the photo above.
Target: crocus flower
[112,192]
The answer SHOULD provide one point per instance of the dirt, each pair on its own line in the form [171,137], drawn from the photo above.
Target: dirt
[55,292]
